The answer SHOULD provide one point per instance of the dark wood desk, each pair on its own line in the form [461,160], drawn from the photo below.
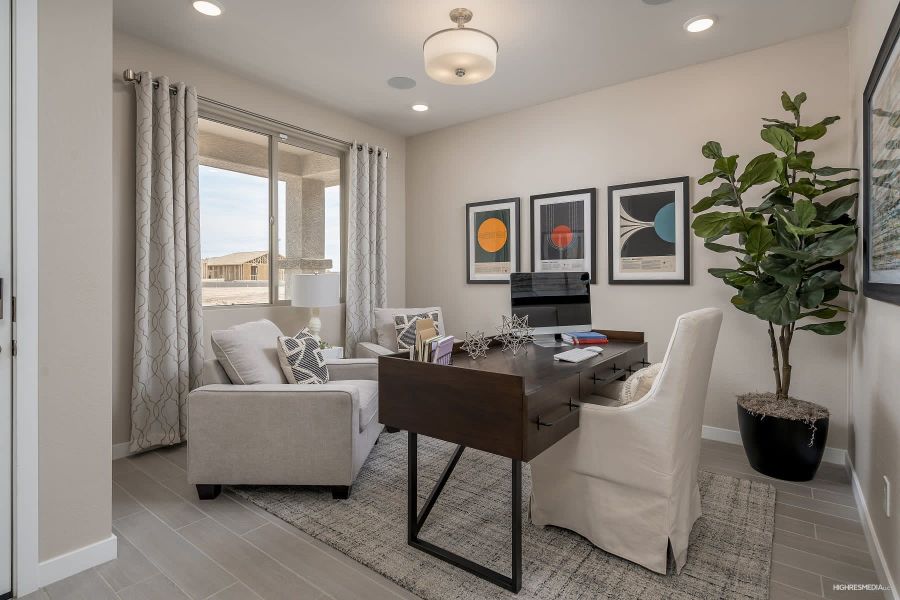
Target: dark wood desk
[512,406]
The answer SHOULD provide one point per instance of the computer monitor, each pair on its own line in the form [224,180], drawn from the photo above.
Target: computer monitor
[555,303]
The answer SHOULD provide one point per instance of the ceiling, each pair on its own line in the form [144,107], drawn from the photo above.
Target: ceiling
[340,53]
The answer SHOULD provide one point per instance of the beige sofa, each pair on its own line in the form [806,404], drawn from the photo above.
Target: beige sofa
[283,434]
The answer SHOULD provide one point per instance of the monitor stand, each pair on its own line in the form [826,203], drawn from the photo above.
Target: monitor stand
[550,340]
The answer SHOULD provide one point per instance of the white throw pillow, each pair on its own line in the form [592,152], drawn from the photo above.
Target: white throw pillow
[385,326]
[301,358]
[248,352]
[637,386]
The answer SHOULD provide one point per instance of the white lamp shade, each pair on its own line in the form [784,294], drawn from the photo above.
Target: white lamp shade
[448,51]
[315,290]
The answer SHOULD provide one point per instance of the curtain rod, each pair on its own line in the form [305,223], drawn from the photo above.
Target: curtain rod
[131,77]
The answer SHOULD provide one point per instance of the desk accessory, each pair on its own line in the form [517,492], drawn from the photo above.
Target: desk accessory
[514,333]
[476,345]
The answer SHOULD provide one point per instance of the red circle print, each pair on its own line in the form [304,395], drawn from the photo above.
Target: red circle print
[561,236]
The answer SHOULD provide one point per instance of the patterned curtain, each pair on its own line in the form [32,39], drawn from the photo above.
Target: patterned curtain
[366,251]
[168,325]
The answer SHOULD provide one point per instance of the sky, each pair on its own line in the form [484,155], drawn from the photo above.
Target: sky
[234,215]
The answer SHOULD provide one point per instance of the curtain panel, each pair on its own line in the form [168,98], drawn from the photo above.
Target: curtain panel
[168,318]
[366,278]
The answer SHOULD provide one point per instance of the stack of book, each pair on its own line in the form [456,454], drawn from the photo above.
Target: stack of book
[431,346]
[585,338]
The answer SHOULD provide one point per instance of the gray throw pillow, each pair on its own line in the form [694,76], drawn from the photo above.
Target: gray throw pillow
[301,358]
[405,325]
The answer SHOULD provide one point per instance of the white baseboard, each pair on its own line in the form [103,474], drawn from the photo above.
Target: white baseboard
[835,456]
[881,568]
[120,451]
[76,561]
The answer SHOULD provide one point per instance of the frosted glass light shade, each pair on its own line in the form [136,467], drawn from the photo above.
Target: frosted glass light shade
[315,290]
[460,56]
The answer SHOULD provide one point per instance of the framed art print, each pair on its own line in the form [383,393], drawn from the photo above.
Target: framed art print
[881,172]
[492,240]
[649,237]
[563,234]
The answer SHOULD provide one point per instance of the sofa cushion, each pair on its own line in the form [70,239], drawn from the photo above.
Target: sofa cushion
[368,401]
[637,386]
[386,325]
[301,358]
[248,352]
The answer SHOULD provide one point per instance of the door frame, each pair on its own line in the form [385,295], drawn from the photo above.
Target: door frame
[26,557]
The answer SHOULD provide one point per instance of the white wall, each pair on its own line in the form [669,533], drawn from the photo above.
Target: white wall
[212,82]
[75,244]
[647,129]
[875,329]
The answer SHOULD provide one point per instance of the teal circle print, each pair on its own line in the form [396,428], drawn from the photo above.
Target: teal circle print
[664,222]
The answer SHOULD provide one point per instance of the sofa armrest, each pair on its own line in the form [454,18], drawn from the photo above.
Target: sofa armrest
[370,350]
[352,368]
[272,434]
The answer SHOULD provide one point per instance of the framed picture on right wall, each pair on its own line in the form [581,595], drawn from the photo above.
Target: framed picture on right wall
[649,237]
[881,172]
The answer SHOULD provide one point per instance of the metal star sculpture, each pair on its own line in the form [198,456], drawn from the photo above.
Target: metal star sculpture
[476,345]
[514,333]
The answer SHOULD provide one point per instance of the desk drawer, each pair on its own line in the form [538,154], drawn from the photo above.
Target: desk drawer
[551,404]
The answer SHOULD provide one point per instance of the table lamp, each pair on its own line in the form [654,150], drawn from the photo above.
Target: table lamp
[314,290]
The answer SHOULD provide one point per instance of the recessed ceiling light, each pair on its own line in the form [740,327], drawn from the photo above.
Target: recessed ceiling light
[208,8]
[402,83]
[420,107]
[701,23]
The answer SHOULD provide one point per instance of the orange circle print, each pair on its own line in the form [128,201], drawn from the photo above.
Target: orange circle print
[492,234]
[561,236]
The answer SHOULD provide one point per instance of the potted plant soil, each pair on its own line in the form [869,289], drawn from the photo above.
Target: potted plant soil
[788,251]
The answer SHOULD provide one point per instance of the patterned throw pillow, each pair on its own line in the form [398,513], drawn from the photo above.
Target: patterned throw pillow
[406,328]
[637,386]
[301,358]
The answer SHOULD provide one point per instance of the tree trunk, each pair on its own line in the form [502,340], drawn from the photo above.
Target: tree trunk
[784,342]
[775,364]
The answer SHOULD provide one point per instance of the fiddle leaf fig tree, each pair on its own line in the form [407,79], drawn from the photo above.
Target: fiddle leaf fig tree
[787,248]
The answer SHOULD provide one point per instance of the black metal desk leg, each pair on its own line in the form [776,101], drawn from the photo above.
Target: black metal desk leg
[516,525]
[412,493]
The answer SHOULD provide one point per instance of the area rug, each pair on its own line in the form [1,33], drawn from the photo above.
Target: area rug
[728,558]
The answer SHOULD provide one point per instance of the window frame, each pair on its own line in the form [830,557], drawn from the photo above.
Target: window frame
[277,133]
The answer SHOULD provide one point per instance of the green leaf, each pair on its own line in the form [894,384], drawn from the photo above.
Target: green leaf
[780,306]
[802,161]
[712,150]
[822,313]
[725,195]
[822,280]
[779,139]
[707,178]
[720,272]
[726,164]
[810,132]
[836,243]
[829,185]
[799,99]
[789,105]
[805,212]
[714,223]
[811,298]
[839,206]
[785,271]
[739,279]
[761,169]
[829,171]
[831,328]
[758,239]
[722,248]
[805,187]
[791,253]
[703,204]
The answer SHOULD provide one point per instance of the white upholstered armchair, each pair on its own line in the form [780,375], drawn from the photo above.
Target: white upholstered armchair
[626,479]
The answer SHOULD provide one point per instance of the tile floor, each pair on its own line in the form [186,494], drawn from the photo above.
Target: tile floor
[174,547]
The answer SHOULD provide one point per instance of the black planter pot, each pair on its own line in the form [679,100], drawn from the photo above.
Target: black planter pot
[780,447]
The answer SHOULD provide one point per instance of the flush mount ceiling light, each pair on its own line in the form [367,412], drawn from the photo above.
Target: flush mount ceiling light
[701,23]
[420,107]
[460,56]
[208,8]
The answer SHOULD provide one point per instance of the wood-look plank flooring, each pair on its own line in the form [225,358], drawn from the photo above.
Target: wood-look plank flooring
[174,547]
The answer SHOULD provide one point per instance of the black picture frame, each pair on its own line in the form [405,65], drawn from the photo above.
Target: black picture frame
[590,225]
[515,235]
[886,292]
[685,246]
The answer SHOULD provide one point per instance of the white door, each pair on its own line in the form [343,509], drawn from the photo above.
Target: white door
[5,304]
